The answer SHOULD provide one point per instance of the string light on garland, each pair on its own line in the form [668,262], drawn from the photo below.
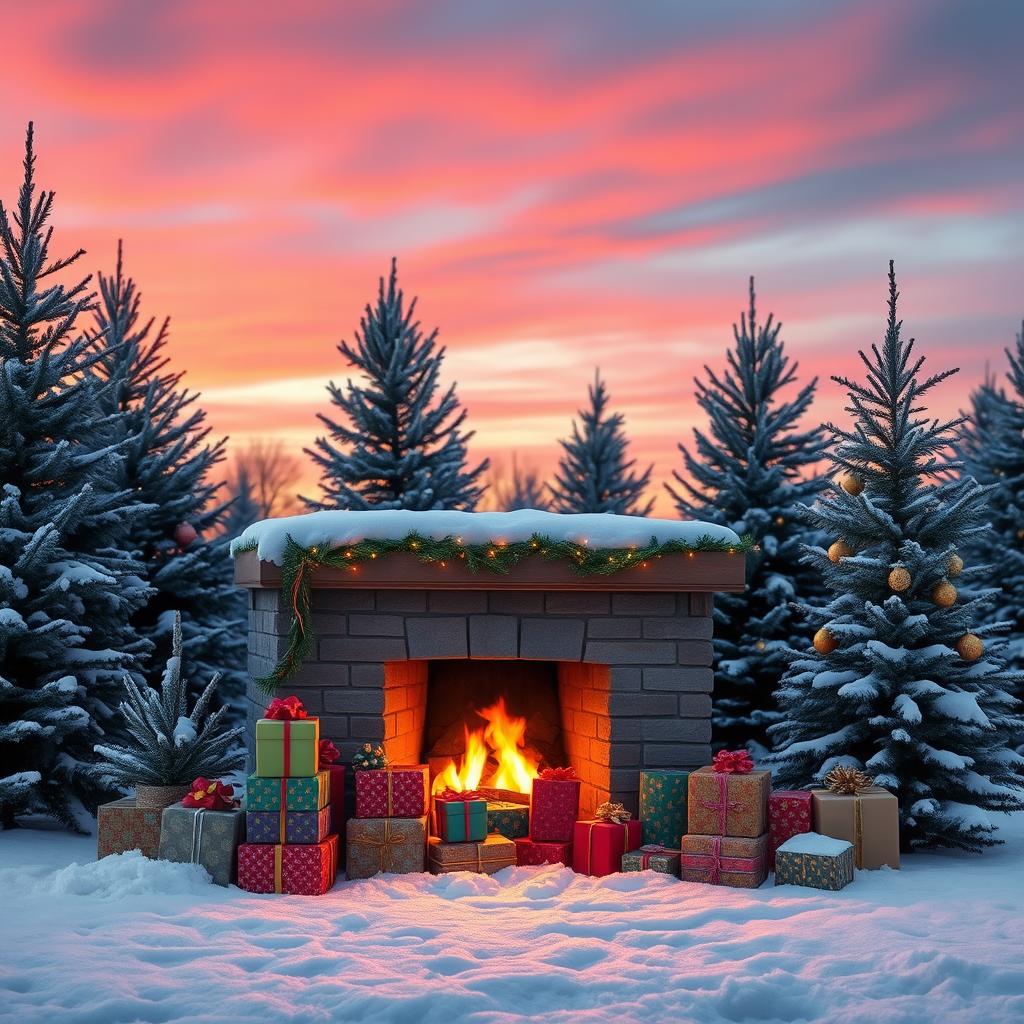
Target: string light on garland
[944,594]
[899,579]
[970,647]
[825,641]
[839,550]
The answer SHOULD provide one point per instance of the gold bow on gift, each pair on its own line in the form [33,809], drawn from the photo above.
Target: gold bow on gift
[615,813]
[847,780]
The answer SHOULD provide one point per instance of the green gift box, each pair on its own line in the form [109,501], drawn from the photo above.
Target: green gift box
[194,835]
[655,858]
[663,806]
[508,819]
[287,748]
[460,821]
[309,793]
[820,862]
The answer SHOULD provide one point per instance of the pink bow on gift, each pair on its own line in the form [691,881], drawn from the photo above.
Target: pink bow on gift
[454,794]
[733,762]
[287,709]
[327,754]
[559,774]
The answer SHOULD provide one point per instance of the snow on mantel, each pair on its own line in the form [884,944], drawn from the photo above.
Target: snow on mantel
[600,530]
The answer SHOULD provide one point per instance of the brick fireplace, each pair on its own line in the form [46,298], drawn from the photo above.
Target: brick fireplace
[626,658]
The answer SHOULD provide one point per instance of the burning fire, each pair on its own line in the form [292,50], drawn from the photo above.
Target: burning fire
[503,741]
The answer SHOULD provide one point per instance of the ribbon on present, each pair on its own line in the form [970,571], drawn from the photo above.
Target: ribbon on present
[327,754]
[284,804]
[278,858]
[714,863]
[653,850]
[733,762]
[197,836]
[454,796]
[385,845]
[559,774]
[286,709]
[723,805]
[616,814]
[210,796]
[845,780]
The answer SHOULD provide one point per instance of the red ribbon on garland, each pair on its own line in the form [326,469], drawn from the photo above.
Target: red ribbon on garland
[733,762]
[211,796]
[559,774]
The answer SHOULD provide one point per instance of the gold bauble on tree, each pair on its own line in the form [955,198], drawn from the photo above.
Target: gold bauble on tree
[955,565]
[899,579]
[970,647]
[840,549]
[825,641]
[944,594]
[852,483]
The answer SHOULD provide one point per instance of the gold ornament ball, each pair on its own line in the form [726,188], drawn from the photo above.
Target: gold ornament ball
[955,565]
[760,645]
[825,641]
[852,483]
[899,579]
[840,549]
[944,594]
[970,647]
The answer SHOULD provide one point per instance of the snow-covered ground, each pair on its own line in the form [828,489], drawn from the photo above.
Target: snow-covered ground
[134,940]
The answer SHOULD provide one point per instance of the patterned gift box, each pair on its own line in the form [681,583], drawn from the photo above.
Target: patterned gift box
[655,858]
[287,748]
[400,791]
[870,820]
[722,804]
[789,814]
[598,846]
[294,870]
[814,860]
[663,806]
[396,845]
[531,851]
[194,835]
[508,819]
[310,793]
[122,826]
[554,808]
[287,826]
[460,821]
[490,855]
[738,861]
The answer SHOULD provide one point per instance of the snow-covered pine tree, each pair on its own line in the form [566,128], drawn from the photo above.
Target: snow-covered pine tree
[902,680]
[992,450]
[67,593]
[167,465]
[403,445]
[595,473]
[750,472]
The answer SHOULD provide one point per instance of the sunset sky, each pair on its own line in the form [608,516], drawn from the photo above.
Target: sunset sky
[566,185]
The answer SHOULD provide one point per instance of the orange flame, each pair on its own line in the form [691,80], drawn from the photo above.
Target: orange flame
[504,739]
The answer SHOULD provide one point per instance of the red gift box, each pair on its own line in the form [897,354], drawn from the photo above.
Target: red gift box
[554,808]
[789,814]
[532,851]
[294,869]
[598,846]
[400,791]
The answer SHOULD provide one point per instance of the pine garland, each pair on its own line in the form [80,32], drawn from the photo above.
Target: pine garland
[496,557]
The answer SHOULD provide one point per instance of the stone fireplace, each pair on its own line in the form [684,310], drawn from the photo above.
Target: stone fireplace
[614,672]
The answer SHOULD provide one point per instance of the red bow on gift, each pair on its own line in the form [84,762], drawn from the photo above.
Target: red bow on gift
[559,774]
[287,709]
[327,754]
[211,796]
[732,762]
[453,794]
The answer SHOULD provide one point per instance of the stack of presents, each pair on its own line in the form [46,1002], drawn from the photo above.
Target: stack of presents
[719,825]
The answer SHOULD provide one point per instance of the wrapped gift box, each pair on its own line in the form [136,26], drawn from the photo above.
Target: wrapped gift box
[396,845]
[122,826]
[554,808]
[870,820]
[287,748]
[655,858]
[287,826]
[598,846]
[310,793]
[400,791]
[738,861]
[298,870]
[490,855]
[814,860]
[663,806]
[789,814]
[460,820]
[194,835]
[508,819]
[723,804]
[533,851]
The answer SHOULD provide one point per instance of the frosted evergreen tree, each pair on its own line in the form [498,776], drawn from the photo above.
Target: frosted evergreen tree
[903,680]
[168,466]
[993,453]
[400,443]
[595,473]
[67,592]
[750,471]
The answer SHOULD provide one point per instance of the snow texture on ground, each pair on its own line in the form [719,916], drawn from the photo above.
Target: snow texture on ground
[135,940]
[598,530]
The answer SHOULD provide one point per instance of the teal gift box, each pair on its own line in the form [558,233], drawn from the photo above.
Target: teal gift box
[460,820]
[663,806]
[820,862]
[508,819]
[309,793]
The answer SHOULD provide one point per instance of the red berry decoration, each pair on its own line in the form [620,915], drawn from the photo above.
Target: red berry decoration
[184,534]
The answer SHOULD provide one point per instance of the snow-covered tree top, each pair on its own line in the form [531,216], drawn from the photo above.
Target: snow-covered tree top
[597,530]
